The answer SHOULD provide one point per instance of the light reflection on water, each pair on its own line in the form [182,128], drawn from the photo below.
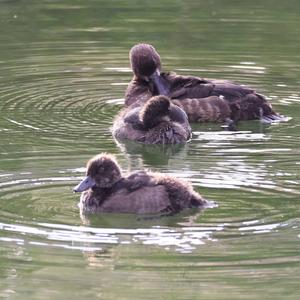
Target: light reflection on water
[183,240]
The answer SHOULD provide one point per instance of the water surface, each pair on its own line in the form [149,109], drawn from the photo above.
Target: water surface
[64,69]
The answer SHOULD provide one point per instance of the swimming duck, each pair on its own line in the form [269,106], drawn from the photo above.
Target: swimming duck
[105,189]
[156,121]
[204,100]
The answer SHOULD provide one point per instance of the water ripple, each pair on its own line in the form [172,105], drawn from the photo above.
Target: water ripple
[89,239]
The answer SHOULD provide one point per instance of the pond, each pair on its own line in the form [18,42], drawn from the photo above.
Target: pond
[64,69]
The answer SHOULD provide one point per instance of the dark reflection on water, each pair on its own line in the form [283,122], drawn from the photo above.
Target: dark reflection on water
[64,71]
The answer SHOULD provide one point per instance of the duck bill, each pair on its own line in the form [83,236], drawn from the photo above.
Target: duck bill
[159,83]
[86,183]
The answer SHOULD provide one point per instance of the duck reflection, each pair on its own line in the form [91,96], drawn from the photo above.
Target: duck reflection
[139,155]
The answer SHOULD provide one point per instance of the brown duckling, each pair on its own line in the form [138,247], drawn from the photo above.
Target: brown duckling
[202,99]
[157,121]
[105,189]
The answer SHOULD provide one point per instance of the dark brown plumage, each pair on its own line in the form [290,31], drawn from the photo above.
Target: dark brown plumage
[105,189]
[209,109]
[202,99]
[156,121]
[153,111]
[144,65]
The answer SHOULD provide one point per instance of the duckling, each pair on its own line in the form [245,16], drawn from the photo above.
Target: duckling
[202,99]
[105,189]
[156,121]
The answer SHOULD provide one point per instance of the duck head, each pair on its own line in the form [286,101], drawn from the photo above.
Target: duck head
[145,64]
[155,111]
[102,171]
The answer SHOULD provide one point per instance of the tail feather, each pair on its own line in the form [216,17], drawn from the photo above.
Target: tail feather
[197,200]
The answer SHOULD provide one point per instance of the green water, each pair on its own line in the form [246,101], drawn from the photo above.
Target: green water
[64,68]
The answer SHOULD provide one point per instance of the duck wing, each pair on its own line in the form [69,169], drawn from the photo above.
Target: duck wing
[182,87]
[244,102]
[230,90]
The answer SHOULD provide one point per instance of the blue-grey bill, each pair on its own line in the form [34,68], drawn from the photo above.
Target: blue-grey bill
[86,183]
[160,84]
